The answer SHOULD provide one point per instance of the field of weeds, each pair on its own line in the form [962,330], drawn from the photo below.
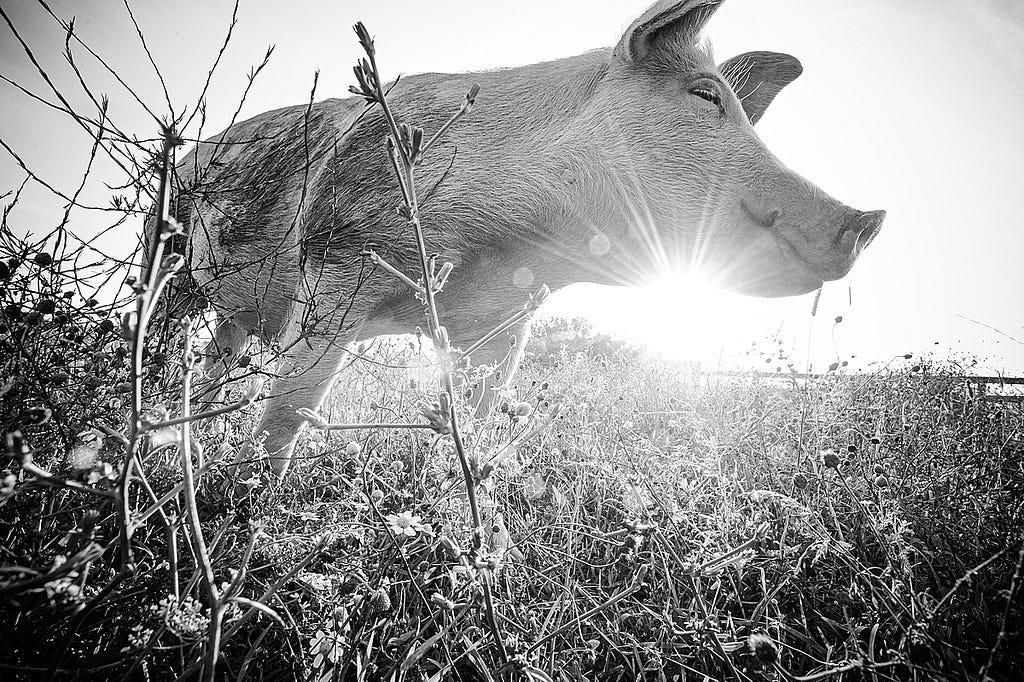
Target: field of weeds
[667,524]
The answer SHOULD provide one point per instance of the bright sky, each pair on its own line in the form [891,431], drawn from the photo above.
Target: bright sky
[912,106]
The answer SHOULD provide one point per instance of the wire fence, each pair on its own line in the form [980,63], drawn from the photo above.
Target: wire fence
[995,389]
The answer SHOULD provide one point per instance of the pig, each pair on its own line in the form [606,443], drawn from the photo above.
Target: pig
[594,168]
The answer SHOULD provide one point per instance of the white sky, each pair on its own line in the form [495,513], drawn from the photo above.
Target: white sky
[912,106]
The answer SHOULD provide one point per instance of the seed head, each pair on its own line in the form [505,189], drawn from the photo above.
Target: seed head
[450,547]
[17,447]
[35,416]
[444,602]
[881,481]
[364,37]
[380,600]
[764,648]
[353,449]
[830,459]
[800,481]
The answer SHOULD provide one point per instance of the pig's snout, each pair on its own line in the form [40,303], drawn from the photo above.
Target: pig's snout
[827,243]
[856,230]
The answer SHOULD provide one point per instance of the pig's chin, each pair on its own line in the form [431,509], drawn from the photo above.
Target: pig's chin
[763,267]
[774,284]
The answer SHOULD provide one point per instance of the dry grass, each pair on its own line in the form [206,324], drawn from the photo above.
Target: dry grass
[663,519]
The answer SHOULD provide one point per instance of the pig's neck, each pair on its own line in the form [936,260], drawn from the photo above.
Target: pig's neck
[595,222]
[560,194]
[579,211]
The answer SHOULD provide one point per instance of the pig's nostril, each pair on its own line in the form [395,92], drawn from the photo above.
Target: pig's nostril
[858,230]
[871,223]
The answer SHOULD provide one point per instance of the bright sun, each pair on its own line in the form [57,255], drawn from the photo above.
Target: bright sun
[683,317]
[686,318]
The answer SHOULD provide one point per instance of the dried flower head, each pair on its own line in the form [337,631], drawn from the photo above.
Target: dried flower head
[379,600]
[17,447]
[8,483]
[35,416]
[764,648]
[830,459]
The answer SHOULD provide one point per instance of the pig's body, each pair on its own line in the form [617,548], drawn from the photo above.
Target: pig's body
[525,176]
[600,168]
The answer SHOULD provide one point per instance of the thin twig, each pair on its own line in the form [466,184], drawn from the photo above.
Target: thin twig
[195,528]
[378,260]
[466,107]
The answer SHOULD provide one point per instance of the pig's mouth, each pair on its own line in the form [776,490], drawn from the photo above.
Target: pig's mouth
[790,252]
[823,274]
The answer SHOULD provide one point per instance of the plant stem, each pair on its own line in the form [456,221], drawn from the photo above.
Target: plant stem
[195,535]
[143,305]
[404,167]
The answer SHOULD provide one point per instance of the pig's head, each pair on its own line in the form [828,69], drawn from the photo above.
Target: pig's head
[713,189]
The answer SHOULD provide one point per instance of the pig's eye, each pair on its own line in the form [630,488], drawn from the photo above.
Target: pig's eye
[705,92]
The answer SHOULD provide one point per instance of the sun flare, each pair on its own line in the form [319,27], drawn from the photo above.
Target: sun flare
[687,318]
[683,317]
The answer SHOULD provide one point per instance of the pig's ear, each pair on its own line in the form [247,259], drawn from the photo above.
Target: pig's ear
[758,76]
[682,18]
